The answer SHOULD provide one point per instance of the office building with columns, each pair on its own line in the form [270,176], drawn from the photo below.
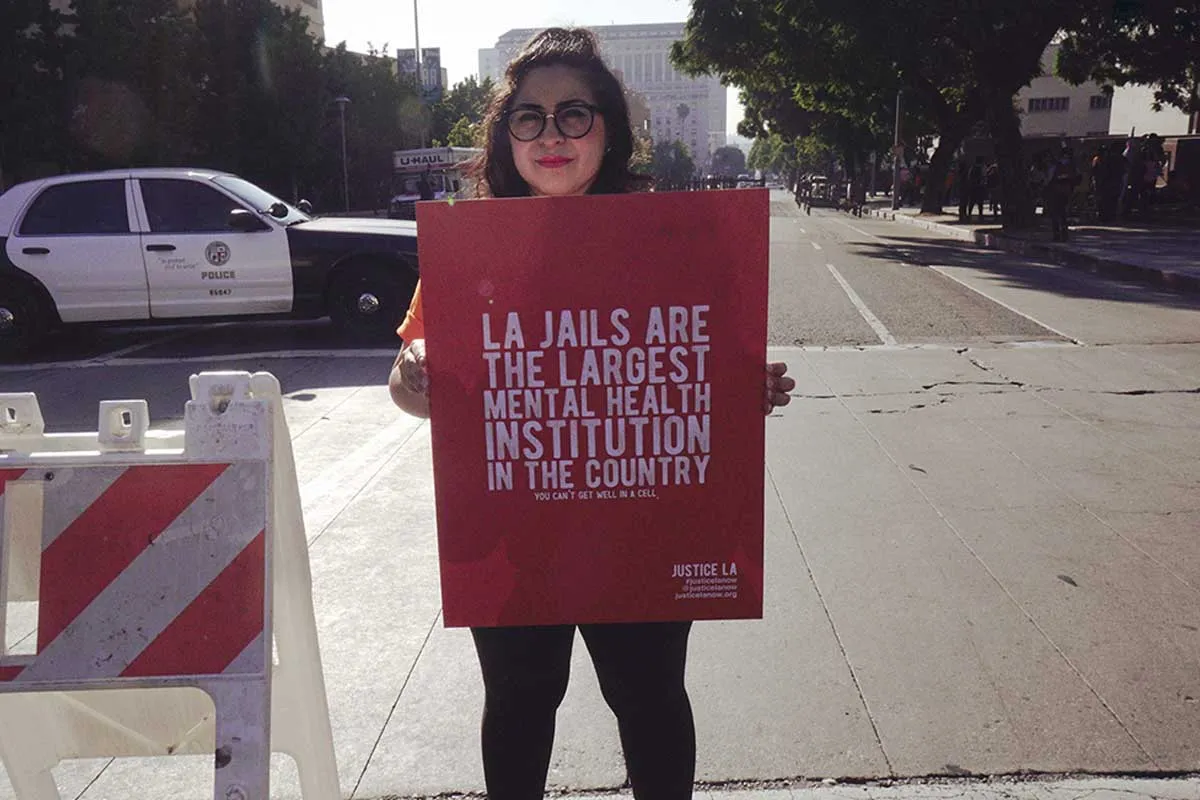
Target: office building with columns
[691,110]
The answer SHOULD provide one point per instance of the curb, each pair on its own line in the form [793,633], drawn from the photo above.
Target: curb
[1058,255]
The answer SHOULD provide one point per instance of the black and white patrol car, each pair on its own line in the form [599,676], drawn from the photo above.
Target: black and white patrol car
[154,245]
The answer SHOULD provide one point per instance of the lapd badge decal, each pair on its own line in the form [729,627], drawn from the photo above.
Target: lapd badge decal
[217,253]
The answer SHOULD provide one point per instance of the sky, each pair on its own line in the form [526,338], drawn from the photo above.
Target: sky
[461,27]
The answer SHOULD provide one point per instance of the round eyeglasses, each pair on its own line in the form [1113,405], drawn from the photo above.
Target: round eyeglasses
[573,122]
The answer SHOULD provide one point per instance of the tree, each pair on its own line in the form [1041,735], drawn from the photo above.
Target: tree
[464,133]
[682,111]
[957,64]
[1153,43]
[129,78]
[375,120]
[32,101]
[672,163]
[468,98]
[643,154]
[728,161]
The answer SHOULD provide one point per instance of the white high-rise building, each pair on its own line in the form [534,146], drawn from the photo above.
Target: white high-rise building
[691,110]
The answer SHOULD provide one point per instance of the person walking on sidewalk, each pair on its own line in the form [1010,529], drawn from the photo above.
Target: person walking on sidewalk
[1060,184]
[976,187]
[559,125]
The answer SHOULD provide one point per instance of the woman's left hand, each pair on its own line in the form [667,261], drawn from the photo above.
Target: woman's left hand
[775,392]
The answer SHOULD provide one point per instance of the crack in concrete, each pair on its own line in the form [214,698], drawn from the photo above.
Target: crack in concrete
[1143,392]
[929,386]
[942,400]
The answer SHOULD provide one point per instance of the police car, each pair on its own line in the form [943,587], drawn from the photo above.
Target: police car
[153,245]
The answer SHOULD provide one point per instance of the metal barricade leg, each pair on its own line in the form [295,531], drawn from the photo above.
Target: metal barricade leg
[27,747]
[243,740]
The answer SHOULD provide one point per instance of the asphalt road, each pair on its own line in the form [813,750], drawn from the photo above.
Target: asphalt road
[980,531]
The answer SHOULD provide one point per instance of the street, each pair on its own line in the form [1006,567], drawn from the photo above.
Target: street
[981,542]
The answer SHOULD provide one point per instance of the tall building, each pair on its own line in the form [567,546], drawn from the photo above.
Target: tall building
[691,110]
[311,9]
[1052,107]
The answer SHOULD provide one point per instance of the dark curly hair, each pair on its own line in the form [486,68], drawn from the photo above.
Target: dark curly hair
[495,172]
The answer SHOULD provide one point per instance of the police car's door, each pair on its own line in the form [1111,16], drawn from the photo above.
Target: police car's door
[76,238]
[197,265]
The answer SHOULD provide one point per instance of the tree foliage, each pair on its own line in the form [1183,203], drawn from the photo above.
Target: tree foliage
[833,68]
[231,84]
[1150,42]
[467,99]
[728,162]
[671,162]
[32,103]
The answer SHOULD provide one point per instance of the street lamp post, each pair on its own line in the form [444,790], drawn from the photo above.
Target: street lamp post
[342,101]
[420,71]
[896,151]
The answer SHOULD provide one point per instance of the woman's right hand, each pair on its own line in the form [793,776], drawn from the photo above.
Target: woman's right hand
[414,373]
[409,379]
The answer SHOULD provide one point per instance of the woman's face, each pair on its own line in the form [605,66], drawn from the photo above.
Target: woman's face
[554,164]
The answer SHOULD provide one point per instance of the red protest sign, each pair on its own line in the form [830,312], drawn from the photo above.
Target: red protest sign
[596,379]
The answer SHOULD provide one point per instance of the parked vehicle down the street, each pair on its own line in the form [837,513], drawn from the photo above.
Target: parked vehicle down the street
[175,245]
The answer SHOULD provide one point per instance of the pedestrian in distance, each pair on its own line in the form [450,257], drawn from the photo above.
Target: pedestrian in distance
[424,186]
[1100,183]
[1061,181]
[991,180]
[964,195]
[559,125]
[976,187]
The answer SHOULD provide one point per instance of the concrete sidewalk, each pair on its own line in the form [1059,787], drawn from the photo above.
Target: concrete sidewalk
[982,572]
[1160,255]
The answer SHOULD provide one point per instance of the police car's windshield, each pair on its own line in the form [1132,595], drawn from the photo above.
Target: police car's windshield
[260,199]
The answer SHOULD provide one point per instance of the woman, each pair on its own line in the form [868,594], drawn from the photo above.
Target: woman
[559,125]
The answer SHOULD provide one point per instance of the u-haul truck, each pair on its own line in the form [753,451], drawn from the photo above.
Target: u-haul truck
[431,173]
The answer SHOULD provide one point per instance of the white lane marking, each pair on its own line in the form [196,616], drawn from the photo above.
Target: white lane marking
[43,366]
[944,271]
[859,230]
[133,348]
[899,348]
[872,320]
[815,245]
[803,230]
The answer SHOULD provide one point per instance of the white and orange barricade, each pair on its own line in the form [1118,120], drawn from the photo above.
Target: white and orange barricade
[160,563]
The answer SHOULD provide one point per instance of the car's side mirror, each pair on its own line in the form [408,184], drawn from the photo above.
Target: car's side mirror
[278,210]
[242,220]
[305,207]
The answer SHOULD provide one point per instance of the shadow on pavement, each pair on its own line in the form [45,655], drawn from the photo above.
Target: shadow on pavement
[1019,272]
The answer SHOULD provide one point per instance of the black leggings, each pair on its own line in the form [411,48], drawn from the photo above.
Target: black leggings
[640,668]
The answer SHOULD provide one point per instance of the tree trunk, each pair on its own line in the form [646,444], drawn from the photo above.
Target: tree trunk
[1016,209]
[939,165]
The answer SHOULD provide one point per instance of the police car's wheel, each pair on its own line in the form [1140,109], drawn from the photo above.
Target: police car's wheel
[23,320]
[369,301]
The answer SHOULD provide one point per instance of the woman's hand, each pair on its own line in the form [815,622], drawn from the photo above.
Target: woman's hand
[414,372]
[775,392]
[409,379]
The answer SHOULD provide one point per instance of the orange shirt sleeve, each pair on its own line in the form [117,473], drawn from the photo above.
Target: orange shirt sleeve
[413,326]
